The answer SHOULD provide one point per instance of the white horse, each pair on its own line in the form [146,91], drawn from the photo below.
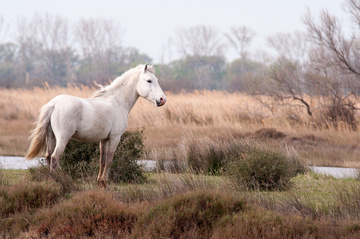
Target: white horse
[103,117]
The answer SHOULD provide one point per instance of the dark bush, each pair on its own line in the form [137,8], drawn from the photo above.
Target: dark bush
[250,164]
[263,169]
[269,133]
[344,113]
[81,160]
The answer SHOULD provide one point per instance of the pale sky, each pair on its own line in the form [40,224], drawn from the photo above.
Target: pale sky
[149,24]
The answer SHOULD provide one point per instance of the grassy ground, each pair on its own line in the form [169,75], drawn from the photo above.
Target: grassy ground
[180,206]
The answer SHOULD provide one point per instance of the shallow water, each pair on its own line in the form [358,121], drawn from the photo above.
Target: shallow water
[337,172]
[10,162]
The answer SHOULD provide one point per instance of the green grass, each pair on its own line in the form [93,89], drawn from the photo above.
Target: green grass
[314,195]
[13,176]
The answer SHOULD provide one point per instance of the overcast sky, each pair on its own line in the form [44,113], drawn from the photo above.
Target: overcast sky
[149,24]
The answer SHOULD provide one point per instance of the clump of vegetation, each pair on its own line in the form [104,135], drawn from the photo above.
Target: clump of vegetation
[87,214]
[189,215]
[124,167]
[341,113]
[249,164]
[26,196]
[260,223]
[63,180]
[263,169]
[206,157]
[81,160]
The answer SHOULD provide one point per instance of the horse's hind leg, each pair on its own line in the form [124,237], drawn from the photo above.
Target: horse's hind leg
[58,151]
[50,145]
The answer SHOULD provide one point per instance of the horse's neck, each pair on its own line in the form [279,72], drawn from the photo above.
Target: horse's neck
[126,95]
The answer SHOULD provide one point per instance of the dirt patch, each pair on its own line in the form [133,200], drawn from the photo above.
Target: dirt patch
[273,134]
[269,133]
[311,137]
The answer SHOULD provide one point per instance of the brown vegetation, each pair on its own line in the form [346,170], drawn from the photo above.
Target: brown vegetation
[182,206]
[201,114]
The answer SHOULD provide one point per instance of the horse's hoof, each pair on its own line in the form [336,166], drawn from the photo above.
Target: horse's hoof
[101,184]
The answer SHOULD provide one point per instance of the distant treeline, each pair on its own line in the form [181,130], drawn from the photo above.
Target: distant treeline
[46,48]
[322,61]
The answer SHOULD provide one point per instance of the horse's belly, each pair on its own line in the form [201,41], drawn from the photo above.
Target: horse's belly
[91,136]
[94,131]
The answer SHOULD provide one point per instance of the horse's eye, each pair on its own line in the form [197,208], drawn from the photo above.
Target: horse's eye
[149,81]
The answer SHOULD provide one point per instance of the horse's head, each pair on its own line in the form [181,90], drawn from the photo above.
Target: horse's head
[149,88]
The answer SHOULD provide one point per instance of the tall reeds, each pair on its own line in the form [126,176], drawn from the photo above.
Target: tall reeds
[194,115]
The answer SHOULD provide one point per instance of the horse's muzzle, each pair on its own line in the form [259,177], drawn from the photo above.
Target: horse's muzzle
[161,102]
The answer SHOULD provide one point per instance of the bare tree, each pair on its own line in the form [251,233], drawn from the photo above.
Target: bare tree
[353,7]
[45,49]
[3,29]
[328,35]
[99,40]
[202,47]
[288,71]
[98,35]
[200,41]
[291,46]
[335,61]
[240,38]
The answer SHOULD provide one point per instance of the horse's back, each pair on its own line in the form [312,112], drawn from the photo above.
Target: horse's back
[82,118]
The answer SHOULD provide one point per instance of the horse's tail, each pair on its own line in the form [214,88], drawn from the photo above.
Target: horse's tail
[38,135]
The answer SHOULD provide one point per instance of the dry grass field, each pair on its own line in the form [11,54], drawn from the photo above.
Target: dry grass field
[197,115]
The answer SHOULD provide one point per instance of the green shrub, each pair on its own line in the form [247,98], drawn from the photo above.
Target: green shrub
[250,164]
[81,160]
[263,169]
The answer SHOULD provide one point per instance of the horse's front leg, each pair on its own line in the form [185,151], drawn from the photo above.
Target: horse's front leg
[102,161]
[109,150]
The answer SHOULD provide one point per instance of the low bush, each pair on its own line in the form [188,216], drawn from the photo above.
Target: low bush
[189,215]
[26,196]
[42,173]
[81,160]
[251,165]
[263,169]
[341,113]
[88,214]
[257,222]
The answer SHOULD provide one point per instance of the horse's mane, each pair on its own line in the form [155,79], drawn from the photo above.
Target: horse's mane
[121,80]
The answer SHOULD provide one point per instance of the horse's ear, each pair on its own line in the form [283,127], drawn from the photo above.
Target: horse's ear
[145,68]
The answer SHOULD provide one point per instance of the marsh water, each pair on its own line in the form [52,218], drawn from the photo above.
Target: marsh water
[12,162]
